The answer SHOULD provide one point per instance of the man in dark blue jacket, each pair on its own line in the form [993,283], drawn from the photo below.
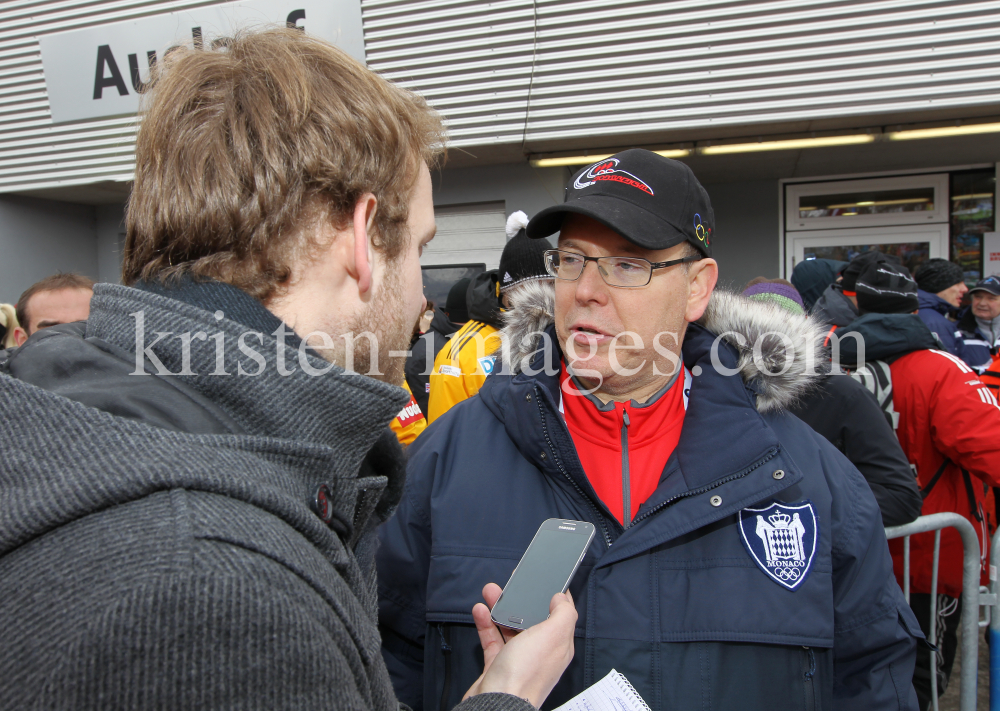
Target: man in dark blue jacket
[941,287]
[750,571]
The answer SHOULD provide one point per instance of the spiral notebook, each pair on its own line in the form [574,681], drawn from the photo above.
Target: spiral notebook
[612,693]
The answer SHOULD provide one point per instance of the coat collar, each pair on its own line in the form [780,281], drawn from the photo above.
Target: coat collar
[344,412]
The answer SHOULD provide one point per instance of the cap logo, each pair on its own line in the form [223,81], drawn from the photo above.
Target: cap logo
[704,233]
[506,277]
[608,170]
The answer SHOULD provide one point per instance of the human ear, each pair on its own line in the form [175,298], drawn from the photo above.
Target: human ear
[20,336]
[364,255]
[702,277]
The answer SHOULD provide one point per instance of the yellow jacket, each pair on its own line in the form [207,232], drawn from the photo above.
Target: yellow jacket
[461,367]
[410,422]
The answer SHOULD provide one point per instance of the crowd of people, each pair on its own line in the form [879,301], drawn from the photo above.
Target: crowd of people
[266,473]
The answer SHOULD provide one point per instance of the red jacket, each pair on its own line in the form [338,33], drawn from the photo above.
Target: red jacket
[946,412]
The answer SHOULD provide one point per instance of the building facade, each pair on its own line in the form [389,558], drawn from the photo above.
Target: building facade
[818,128]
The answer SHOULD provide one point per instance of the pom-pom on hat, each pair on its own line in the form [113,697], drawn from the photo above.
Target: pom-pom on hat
[887,288]
[523,259]
[936,275]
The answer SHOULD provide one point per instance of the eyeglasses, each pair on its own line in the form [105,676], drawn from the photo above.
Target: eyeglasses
[623,272]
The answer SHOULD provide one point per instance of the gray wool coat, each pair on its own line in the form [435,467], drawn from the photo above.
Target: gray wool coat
[160,546]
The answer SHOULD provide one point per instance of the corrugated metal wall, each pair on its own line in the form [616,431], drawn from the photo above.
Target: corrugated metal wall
[601,68]
[518,71]
[33,153]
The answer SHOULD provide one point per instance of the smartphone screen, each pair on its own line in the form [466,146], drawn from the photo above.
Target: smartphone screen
[545,569]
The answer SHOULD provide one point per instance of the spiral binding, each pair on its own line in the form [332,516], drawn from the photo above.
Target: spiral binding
[630,691]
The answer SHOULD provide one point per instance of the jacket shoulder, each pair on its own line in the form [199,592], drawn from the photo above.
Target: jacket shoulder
[63,361]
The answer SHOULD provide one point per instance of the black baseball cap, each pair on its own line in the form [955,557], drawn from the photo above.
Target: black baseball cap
[651,201]
[990,284]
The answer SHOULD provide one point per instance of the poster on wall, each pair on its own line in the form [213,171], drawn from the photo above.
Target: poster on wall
[102,71]
[991,254]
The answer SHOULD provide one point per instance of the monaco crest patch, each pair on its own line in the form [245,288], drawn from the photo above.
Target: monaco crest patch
[782,540]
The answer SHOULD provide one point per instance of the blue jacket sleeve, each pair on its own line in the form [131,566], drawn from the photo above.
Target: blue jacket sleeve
[403,563]
[875,632]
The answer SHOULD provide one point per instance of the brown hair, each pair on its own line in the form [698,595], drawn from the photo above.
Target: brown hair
[243,145]
[49,283]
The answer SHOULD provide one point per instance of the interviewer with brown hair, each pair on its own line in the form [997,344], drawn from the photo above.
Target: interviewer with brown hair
[189,518]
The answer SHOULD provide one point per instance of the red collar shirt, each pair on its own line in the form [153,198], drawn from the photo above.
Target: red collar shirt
[624,446]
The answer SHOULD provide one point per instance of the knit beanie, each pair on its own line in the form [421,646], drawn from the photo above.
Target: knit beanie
[858,265]
[457,306]
[783,295]
[936,275]
[523,259]
[811,277]
[886,288]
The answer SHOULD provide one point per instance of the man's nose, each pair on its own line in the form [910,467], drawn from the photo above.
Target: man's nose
[591,285]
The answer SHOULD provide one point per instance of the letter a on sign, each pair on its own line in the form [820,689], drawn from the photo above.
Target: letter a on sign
[105,59]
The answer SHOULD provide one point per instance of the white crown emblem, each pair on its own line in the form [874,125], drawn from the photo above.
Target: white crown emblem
[780,519]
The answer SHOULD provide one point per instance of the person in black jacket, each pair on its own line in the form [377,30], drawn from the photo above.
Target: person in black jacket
[845,413]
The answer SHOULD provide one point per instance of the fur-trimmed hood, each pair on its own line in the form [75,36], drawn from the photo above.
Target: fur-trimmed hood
[739,321]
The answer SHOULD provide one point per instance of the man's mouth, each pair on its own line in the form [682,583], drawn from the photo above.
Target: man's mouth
[588,335]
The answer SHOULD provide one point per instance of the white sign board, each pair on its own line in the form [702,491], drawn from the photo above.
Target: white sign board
[991,254]
[100,71]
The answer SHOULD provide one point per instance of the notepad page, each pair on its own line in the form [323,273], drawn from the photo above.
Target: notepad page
[612,693]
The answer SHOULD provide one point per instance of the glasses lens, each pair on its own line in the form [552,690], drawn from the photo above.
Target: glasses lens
[622,271]
[563,265]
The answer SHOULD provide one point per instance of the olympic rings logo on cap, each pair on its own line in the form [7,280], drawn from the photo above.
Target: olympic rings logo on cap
[703,233]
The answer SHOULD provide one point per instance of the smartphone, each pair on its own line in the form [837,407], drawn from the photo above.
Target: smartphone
[545,569]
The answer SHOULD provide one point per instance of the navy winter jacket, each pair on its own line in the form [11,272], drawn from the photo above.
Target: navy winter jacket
[675,601]
[934,312]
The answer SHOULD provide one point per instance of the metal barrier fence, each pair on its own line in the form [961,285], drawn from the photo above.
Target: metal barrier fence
[969,652]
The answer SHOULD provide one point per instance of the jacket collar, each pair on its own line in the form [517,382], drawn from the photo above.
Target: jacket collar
[739,322]
[337,410]
[927,300]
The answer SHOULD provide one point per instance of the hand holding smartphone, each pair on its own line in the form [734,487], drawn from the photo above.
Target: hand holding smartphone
[545,569]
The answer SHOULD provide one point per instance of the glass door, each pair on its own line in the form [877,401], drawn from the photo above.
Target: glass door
[913,245]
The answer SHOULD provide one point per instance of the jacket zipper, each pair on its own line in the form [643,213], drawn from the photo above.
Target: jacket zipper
[810,673]
[445,633]
[626,484]
[597,514]
[702,490]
